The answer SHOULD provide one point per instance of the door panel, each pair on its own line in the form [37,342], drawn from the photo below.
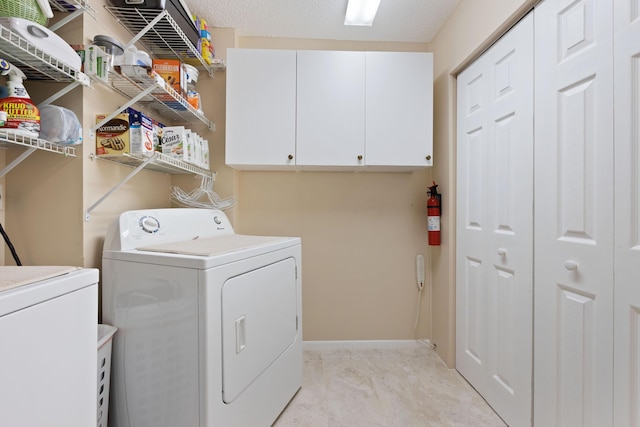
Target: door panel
[399,108]
[331,108]
[627,214]
[494,226]
[261,107]
[259,322]
[574,232]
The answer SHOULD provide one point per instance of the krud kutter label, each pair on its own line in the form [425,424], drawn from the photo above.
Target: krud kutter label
[22,116]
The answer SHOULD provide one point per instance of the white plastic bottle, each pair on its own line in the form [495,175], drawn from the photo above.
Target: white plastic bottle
[23,117]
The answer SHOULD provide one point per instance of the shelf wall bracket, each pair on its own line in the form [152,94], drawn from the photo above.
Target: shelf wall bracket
[87,213]
[92,131]
[64,21]
[17,161]
[60,93]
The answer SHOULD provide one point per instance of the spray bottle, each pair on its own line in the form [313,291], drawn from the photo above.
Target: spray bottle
[22,115]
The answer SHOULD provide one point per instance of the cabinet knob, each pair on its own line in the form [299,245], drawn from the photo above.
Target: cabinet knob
[290,156]
[429,157]
[359,156]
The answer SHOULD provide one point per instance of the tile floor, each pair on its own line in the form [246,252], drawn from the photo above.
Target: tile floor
[398,387]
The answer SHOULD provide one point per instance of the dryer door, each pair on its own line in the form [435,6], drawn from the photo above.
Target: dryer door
[258,323]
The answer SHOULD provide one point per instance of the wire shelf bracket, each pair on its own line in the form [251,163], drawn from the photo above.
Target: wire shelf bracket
[11,139]
[156,162]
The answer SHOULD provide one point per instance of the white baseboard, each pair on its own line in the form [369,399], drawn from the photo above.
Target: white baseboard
[364,344]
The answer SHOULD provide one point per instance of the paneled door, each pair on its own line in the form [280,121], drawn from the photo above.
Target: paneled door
[573,242]
[626,402]
[494,260]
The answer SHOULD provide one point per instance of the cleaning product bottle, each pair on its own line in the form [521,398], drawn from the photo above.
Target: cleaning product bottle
[22,115]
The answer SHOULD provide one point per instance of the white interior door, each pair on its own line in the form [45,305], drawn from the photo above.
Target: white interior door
[495,224]
[573,220]
[627,215]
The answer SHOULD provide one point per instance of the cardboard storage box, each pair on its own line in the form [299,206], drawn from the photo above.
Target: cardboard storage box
[172,71]
[173,141]
[114,137]
[142,138]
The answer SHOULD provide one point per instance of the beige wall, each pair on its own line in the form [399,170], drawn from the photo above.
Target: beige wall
[469,31]
[43,193]
[361,231]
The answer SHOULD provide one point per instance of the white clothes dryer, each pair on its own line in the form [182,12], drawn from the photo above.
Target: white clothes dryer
[209,321]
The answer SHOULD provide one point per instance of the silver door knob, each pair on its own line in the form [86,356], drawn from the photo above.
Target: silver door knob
[571,265]
[502,251]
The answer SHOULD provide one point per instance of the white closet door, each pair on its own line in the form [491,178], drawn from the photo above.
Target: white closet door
[627,214]
[573,213]
[495,224]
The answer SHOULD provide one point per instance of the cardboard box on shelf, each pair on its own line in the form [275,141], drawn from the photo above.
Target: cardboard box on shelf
[173,141]
[142,138]
[96,62]
[129,132]
[172,72]
[114,137]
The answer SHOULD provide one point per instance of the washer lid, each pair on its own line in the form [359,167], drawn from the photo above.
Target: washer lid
[211,246]
[12,277]
[60,281]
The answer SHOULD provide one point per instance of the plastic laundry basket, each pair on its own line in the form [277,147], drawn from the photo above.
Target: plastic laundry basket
[105,335]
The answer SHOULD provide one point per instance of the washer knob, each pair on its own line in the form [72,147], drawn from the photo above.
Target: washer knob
[217,220]
[149,224]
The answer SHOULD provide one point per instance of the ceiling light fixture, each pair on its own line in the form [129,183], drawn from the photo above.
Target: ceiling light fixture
[361,12]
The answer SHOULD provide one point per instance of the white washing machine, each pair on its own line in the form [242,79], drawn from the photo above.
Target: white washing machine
[48,346]
[209,321]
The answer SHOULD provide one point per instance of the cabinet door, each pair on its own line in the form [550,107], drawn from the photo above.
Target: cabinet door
[573,220]
[399,109]
[261,108]
[626,402]
[331,108]
[494,250]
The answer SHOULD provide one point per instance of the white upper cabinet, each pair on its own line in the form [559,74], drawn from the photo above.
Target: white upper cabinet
[399,105]
[327,110]
[331,108]
[261,108]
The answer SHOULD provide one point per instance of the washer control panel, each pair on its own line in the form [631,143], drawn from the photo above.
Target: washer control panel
[157,226]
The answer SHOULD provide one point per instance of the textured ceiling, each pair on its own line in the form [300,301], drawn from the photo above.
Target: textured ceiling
[396,21]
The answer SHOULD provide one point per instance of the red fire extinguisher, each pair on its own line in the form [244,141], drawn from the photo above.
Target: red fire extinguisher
[433,215]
